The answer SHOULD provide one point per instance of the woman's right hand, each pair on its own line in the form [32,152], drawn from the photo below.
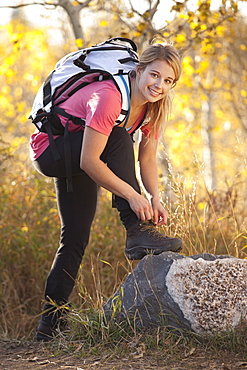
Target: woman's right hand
[141,206]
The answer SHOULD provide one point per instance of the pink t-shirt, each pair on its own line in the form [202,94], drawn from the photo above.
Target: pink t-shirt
[98,103]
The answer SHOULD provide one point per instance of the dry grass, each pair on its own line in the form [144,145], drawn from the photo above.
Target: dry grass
[207,222]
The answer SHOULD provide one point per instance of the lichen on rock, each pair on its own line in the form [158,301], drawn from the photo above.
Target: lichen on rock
[211,294]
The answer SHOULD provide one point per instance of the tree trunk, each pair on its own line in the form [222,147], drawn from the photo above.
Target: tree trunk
[207,139]
[73,12]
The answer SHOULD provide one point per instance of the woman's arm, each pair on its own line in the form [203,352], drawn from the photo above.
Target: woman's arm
[149,176]
[92,147]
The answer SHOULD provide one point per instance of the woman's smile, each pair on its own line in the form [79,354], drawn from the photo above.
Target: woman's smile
[154,92]
[155,81]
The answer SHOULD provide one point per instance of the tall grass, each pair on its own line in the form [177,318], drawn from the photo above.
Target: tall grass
[213,222]
[29,231]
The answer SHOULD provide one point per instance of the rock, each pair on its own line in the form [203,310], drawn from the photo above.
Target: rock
[203,293]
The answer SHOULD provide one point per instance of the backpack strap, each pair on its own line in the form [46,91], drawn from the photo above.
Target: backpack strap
[123,39]
[74,119]
[53,146]
[47,90]
[68,160]
[67,144]
[127,90]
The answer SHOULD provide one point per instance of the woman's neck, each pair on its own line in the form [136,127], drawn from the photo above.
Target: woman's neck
[136,100]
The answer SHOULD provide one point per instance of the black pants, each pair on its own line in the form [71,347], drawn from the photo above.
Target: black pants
[77,208]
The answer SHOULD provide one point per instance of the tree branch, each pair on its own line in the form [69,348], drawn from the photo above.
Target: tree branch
[43,3]
[71,9]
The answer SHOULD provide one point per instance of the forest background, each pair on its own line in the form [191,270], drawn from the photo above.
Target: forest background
[202,153]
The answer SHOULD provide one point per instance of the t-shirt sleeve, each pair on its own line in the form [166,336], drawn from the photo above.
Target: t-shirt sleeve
[103,109]
[145,129]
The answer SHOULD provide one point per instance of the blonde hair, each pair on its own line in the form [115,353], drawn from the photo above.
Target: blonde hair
[158,112]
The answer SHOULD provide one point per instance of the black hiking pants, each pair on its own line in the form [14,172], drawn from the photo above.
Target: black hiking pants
[77,208]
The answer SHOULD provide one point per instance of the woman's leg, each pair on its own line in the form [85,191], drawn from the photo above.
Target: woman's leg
[141,238]
[76,210]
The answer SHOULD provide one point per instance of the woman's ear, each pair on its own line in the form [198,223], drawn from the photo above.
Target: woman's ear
[138,70]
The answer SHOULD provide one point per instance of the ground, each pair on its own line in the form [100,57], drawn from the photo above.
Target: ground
[35,356]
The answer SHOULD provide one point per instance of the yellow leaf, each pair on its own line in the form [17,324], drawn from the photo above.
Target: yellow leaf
[221,218]
[219,113]
[141,26]
[130,15]
[200,206]
[187,67]
[220,30]
[223,57]
[103,23]
[6,90]
[10,73]
[136,34]
[183,16]
[180,38]
[186,60]
[79,43]
[53,210]
[146,15]
[20,106]
[107,263]
[204,65]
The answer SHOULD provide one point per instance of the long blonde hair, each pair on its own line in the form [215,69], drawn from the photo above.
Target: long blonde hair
[158,112]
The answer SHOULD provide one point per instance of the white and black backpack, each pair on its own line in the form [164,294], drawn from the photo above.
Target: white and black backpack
[113,59]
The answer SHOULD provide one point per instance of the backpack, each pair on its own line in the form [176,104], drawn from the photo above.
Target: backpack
[111,59]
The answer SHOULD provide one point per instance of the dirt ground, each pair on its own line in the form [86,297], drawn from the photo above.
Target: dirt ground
[36,356]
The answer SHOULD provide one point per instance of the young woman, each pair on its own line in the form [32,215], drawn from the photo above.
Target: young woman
[102,155]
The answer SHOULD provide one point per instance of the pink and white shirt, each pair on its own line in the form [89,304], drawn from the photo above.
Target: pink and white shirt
[98,103]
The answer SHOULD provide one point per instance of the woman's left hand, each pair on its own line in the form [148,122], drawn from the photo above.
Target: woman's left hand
[160,214]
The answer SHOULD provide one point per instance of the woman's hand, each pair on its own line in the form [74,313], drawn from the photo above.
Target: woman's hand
[160,215]
[146,211]
[141,206]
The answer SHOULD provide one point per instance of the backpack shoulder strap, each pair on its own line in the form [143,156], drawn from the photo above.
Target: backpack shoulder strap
[125,99]
[47,90]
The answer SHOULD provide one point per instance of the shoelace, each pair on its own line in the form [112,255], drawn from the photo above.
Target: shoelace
[151,229]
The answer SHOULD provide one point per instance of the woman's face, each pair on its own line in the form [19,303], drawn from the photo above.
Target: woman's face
[155,80]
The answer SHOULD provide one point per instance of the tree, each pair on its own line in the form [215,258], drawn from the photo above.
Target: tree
[196,32]
[140,25]
[211,102]
[23,51]
[72,8]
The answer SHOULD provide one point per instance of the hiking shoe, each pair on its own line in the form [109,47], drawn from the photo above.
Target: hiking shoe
[50,324]
[44,333]
[143,238]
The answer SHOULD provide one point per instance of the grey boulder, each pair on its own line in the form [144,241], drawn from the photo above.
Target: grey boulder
[204,293]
